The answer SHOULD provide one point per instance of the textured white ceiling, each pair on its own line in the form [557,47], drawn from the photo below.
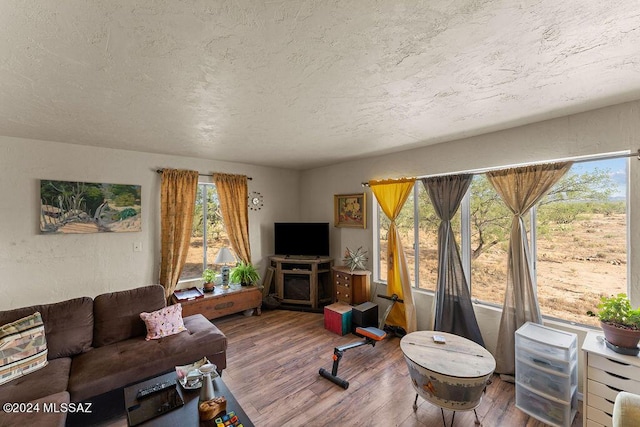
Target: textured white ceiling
[300,84]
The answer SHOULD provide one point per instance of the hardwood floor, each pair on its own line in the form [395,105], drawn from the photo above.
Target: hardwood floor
[272,369]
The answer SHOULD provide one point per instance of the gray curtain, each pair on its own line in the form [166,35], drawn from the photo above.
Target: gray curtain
[520,189]
[453,309]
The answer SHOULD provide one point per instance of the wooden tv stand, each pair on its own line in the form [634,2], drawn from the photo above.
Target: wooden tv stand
[303,282]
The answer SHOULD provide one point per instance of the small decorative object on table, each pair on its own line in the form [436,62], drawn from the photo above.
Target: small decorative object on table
[224,258]
[192,371]
[188,294]
[245,274]
[208,276]
[207,370]
[620,323]
[355,259]
[230,419]
[210,409]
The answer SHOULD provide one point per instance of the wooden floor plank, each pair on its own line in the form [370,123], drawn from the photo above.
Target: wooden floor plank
[272,370]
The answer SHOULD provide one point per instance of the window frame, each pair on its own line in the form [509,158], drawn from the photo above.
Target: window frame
[465,239]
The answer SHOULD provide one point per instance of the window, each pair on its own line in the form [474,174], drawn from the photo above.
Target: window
[581,239]
[490,225]
[417,223]
[577,236]
[428,225]
[207,233]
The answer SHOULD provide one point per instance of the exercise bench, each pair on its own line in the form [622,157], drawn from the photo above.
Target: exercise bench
[371,336]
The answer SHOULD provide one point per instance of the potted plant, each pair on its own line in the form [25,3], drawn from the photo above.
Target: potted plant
[208,276]
[245,274]
[620,323]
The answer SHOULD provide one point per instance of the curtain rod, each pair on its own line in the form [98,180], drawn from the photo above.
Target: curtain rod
[615,156]
[201,174]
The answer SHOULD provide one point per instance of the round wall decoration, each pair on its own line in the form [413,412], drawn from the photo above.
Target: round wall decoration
[255,201]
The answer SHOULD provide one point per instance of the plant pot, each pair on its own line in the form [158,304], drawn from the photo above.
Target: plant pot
[208,287]
[626,339]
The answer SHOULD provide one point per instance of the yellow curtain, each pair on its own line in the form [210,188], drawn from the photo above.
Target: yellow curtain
[391,195]
[177,202]
[233,193]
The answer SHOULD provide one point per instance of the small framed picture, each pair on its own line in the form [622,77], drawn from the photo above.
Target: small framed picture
[350,210]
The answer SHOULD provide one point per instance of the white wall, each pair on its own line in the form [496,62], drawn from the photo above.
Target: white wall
[611,129]
[36,268]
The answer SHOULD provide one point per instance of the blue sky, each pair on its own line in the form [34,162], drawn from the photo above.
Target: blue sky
[617,169]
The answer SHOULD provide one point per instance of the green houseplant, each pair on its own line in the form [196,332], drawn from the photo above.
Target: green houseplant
[208,276]
[620,322]
[245,274]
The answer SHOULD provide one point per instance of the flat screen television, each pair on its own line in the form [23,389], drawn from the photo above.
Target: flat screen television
[301,238]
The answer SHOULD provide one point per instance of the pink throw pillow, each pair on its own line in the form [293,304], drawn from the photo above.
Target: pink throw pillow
[164,322]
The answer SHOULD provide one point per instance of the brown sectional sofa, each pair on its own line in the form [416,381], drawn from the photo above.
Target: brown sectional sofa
[96,346]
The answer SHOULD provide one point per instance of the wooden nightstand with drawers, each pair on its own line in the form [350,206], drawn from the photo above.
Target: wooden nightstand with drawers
[351,287]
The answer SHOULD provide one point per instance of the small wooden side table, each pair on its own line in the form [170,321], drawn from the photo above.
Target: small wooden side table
[222,302]
[351,287]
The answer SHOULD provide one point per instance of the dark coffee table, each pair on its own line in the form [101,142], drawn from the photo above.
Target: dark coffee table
[186,415]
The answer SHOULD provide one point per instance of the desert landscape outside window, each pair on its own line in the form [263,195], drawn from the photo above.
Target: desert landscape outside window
[207,233]
[417,224]
[581,240]
[577,236]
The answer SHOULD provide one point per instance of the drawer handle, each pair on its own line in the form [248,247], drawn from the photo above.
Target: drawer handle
[613,388]
[617,376]
[618,362]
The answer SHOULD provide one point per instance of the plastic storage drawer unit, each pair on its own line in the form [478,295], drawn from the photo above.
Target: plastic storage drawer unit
[547,374]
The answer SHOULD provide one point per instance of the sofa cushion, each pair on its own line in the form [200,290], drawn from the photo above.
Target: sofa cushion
[130,361]
[40,418]
[23,347]
[68,325]
[117,314]
[164,322]
[51,379]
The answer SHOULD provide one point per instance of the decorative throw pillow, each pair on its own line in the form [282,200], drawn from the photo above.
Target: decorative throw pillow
[164,322]
[23,347]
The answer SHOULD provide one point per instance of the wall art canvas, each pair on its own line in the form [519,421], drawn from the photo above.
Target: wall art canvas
[87,207]
[350,210]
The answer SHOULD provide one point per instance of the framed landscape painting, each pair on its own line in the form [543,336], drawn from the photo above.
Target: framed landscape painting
[87,207]
[350,210]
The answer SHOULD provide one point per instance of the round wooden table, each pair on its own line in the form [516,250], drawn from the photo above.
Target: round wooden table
[451,375]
